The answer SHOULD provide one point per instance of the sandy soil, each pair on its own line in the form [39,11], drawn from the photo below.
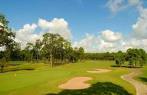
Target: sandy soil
[99,71]
[76,83]
[141,89]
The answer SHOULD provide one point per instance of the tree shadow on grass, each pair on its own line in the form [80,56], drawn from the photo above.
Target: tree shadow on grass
[100,88]
[143,79]
[126,66]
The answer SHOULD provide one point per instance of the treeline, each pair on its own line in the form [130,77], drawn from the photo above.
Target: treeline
[98,56]
[52,49]
[135,57]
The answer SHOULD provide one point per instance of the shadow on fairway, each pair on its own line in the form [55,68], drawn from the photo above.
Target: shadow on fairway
[143,79]
[126,66]
[100,88]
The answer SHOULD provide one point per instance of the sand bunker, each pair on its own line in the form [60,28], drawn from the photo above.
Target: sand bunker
[99,71]
[76,83]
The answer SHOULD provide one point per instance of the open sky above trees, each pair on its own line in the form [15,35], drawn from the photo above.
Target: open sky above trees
[97,25]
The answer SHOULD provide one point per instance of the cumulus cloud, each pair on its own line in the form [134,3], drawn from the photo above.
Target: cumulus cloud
[140,27]
[111,36]
[27,34]
[89,43]
[43,24]
[110,41]
[57,25]
[29,31]
[134,43]
[106,46]
[115,5]
[134,2]
[106,41]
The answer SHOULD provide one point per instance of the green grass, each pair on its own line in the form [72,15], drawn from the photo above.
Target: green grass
[11,66]
[143,76]
[45,80]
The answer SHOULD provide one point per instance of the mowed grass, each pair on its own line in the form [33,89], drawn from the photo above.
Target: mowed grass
[143,76]
[45,79]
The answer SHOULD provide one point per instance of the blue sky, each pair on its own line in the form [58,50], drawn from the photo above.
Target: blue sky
[83,16]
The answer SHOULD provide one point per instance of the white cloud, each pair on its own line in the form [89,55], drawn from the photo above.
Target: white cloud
[44,24]
[106,46]
[111,36]
[57,25]
[134,43]
[134,2]
[27,34]
[29,31]
[97,43]
[115,5]
[89,43]
[140,27]
[106,41]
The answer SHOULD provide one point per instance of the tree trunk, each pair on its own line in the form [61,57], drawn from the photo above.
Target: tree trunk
[37,57]
[51,60]
[2,69]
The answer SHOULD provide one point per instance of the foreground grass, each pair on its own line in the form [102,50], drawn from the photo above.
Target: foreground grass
[44,80]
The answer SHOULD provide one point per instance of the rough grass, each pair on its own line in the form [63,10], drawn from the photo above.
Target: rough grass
[44,80]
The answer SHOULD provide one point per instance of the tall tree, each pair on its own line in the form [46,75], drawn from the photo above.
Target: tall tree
[28,52]
[119,58]
[37,49]
[49,45]
[81,52]
[3,63]
[16,52]
[136,56]
[6,38]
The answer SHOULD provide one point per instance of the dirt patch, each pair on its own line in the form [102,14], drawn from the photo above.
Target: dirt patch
[99,71]
[76,83]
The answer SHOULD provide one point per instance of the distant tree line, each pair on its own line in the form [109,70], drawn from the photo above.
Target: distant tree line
[98,56]
[135,57]
[53,49]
